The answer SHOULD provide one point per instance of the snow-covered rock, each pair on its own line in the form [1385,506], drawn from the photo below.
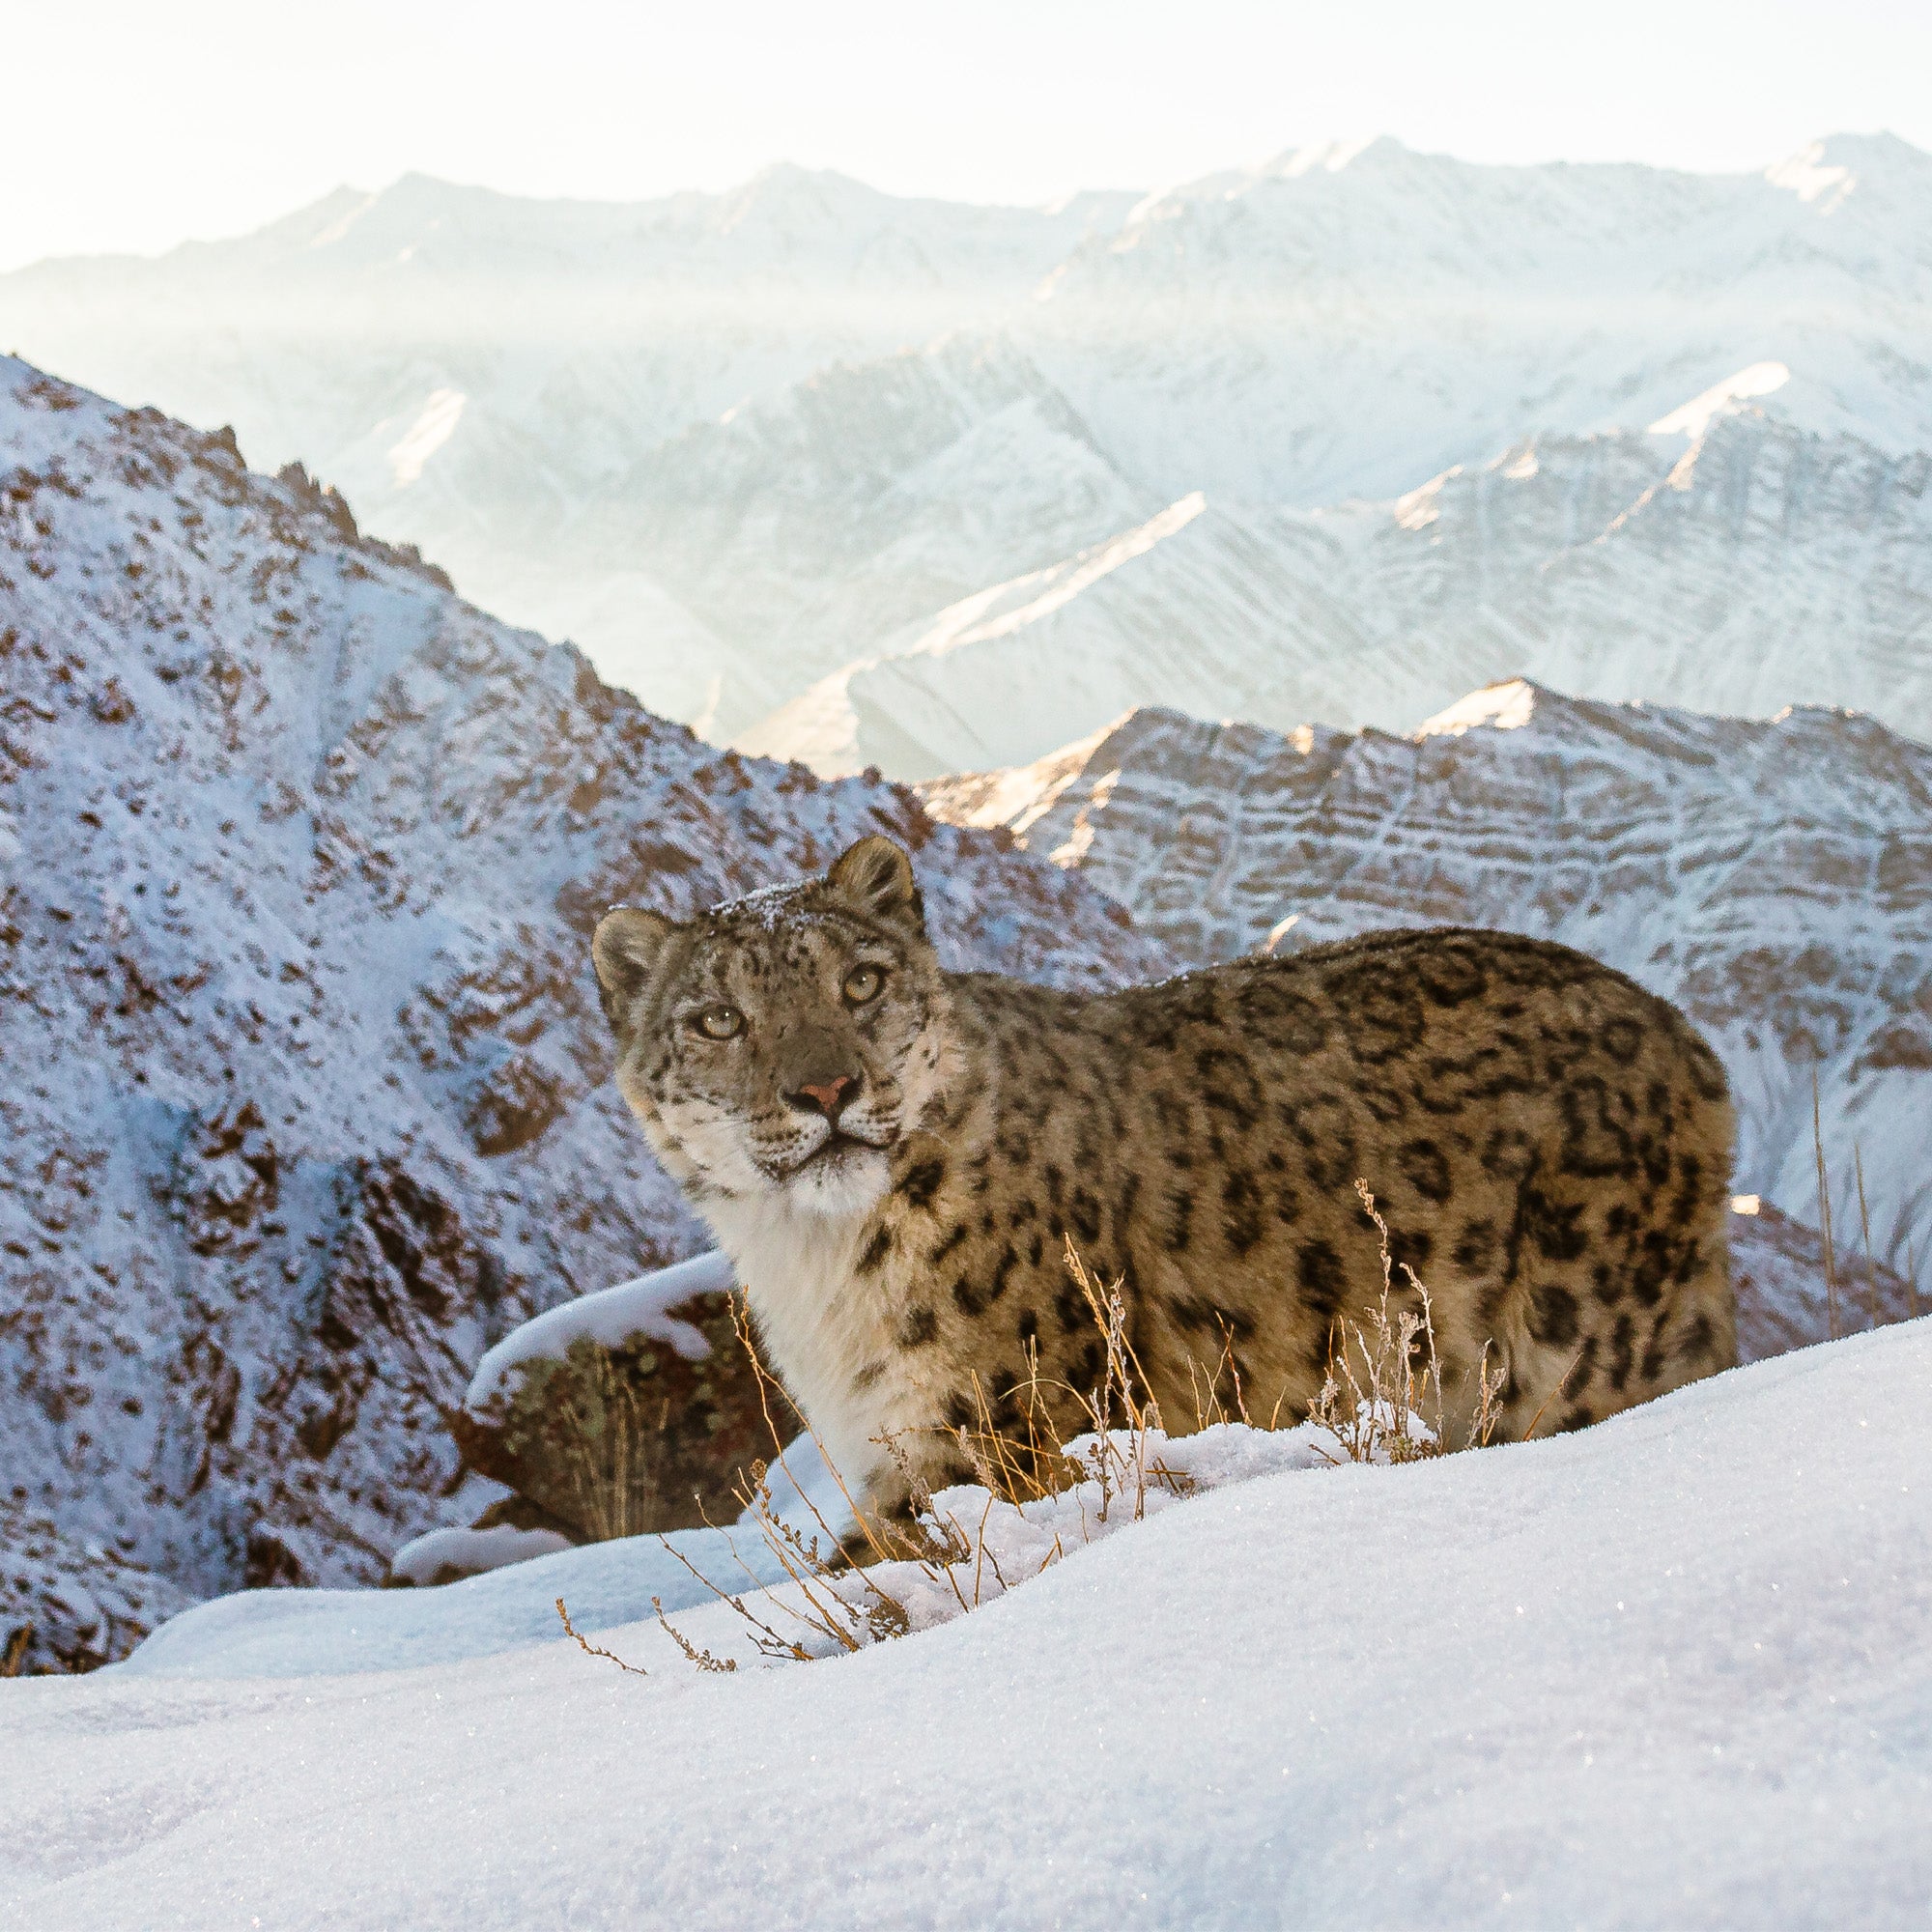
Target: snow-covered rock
[610,1318]
[1669,1670]
[631,1409]
[1773,877]
[736,442]
[305,1102]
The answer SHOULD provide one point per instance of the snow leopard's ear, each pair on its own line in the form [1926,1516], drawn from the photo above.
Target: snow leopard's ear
[874,878]
[628,945]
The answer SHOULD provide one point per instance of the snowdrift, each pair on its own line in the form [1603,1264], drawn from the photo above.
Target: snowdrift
[1669,1670]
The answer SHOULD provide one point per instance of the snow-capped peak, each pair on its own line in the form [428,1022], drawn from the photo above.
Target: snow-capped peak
[1503,707]
[1824,172]
[1692,418]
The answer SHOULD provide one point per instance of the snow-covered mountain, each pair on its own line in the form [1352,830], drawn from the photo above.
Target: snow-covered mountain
[304,1096]
[1773,878]
[1344,322]
[1736,569]
[734,443]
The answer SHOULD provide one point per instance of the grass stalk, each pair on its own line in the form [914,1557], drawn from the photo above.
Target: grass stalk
[1825,1213]
[1865,1224]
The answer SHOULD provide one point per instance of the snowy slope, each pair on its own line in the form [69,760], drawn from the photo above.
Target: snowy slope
[1736,569]
[1773,878]
[306,1100]
[1669,1670]
[741,428]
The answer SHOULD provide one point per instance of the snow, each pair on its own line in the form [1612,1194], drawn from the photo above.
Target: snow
[1132,1476]
[459,1550]
[1668,1670]
[1502,707]
[345,1632]
[1694,419]
[442,411]
[611,1318]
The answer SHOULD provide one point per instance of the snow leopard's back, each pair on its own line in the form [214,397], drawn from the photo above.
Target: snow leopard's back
[1550,1144]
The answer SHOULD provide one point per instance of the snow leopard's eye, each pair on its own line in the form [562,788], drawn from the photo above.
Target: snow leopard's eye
[863,983]
[719,1022]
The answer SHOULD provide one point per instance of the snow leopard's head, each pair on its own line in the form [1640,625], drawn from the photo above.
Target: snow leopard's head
[781,1043]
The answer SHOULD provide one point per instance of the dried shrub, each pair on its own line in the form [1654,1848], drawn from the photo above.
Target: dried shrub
[1383,1398]
[851,1592]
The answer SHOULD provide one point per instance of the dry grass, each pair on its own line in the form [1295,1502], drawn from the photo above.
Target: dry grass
[604,1447]
[1835,1324]
[1831,1324]
[590,1648]
[1383,1399]
[848,1593]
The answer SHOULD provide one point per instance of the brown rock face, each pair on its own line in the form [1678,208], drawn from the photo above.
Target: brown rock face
[1789,1298]
[1771,877]
[619,1441]
[305,1102]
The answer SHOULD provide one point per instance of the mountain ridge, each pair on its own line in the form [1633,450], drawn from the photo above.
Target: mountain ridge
[1772,878]
[307,1096]
[1744,568]
[515,388]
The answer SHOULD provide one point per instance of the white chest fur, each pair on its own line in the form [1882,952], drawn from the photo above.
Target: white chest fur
[824,1330]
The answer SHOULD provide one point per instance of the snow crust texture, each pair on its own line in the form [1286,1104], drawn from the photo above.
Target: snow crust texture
[742,443]
[1669,1670]
[1772,878]
[305,1102]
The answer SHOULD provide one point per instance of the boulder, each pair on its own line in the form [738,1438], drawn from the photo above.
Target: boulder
[624,1412]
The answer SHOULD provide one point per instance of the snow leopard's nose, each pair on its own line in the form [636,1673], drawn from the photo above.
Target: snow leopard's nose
[829,1096]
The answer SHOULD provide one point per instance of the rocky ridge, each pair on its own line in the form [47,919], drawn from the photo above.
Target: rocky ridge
[306,1100]
[1772,878]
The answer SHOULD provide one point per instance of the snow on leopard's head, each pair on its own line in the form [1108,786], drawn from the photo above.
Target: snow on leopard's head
[779,1046]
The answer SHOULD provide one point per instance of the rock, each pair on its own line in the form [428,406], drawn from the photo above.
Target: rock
[1788,1298]
[611,1439]
[70,1603]
[1771,876]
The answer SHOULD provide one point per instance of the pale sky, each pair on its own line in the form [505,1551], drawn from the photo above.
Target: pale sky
[131,125]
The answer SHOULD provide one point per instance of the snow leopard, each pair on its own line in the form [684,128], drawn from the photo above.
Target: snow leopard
[897,1157]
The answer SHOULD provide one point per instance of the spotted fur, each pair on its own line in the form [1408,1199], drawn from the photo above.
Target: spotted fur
[1549,1143]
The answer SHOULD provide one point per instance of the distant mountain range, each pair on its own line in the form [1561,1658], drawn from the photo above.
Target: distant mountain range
[857,479]
[306,1096]
[1750,566]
